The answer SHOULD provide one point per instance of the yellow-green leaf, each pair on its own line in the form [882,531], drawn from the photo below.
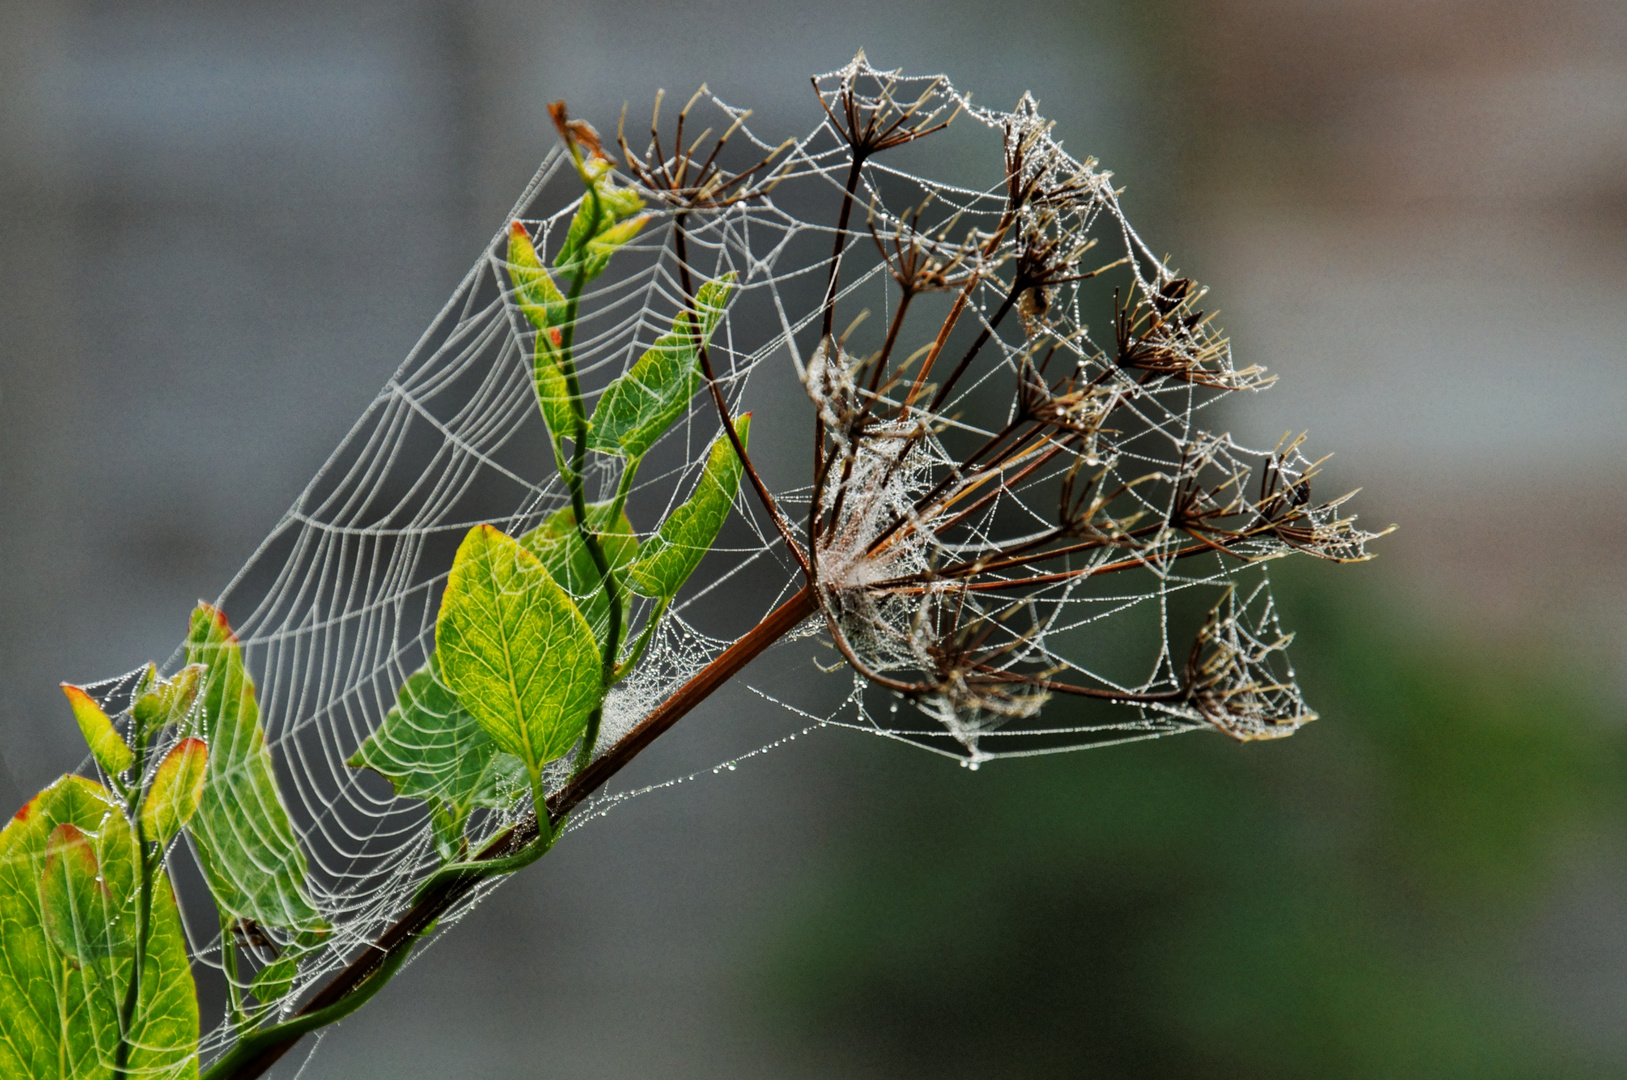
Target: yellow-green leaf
[59,1017]
[668,558]
[106,745]
[250,856]
[515,649]
[539,299]
[176,790]
[637,408]
[553,392]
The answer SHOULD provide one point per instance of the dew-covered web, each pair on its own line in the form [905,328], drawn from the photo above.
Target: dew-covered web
[1048,551]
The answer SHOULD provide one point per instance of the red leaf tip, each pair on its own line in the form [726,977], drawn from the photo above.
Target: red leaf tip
[218,617]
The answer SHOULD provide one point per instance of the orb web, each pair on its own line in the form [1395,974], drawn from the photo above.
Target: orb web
[337,606]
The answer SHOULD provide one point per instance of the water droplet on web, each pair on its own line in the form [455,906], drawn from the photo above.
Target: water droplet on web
[892,708]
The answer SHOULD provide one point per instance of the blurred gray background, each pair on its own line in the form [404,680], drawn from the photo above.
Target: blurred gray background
[221,227]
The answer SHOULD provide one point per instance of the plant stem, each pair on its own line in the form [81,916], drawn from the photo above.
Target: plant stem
[144,902]
[624,488]
[574,479]
[475,869]
[636,653]
[249,1056]
[228,962]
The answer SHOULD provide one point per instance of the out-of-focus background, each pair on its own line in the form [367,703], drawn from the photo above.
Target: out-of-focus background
[222,226]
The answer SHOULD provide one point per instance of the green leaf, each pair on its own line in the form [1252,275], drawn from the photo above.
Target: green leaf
[637,408]
[539,299]
[58,1020]
[430,747]
[176,790]
[515,650]
[107,746]
[250,856]
[274,980]
[558,545]
[82,919]
[669,557]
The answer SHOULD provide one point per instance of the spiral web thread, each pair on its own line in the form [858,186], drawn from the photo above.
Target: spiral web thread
[337,607]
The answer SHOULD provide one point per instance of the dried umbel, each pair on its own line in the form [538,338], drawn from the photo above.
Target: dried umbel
[940,569]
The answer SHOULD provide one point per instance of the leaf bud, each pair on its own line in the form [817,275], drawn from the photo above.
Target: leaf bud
[166,701]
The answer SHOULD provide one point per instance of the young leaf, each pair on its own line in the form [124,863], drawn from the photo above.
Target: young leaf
[558,545]
[274,980]
[604,245]
[430,747]
[539,299]
[670,556]
[585,256]
[553,393]
[250,857]
[107,746]
[176,790]
[638,408]
[166,701]
[82,919]
[59,1020]
[515,650]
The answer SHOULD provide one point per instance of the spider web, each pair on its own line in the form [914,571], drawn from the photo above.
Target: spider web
[337,606]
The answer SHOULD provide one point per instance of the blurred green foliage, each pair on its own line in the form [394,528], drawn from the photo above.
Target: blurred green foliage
[1352,902]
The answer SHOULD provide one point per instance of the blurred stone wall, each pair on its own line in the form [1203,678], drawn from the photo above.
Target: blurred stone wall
[1416,214]
[222,228]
